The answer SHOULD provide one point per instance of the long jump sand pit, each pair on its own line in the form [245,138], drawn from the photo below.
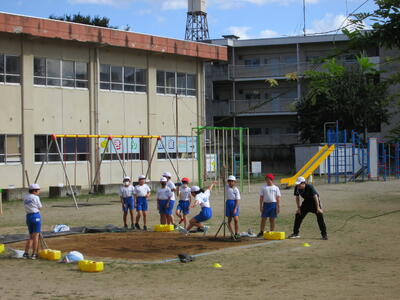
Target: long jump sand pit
[140,246]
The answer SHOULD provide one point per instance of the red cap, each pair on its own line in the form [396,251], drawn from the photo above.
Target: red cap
[185,179]
[270,176]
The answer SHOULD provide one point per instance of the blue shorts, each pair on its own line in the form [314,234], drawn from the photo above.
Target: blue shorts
[183,206]
[166,210]
[141,204]
[230,207]
[269,210]
[204,215]
[34,222]
[129,204]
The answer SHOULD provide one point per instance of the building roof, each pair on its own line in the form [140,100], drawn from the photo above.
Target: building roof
[68,31]
[235,42]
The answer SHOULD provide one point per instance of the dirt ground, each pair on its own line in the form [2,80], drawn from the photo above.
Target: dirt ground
[139,246]
[359,261]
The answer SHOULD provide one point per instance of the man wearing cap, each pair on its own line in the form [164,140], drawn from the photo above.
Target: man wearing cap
[270,199]
[311,203]
[142,194]
[232,204]
[32,207]
[126,193]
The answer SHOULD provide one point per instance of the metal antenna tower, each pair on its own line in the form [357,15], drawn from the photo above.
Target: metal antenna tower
[196,22]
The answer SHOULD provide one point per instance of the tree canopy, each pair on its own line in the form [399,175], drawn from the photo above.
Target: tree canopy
[88,20]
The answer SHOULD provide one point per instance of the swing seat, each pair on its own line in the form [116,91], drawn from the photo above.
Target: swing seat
[164,228]
[274,235]
[90,266]
[2,248]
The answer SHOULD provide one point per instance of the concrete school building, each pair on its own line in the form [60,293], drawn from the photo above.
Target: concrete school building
[66,78]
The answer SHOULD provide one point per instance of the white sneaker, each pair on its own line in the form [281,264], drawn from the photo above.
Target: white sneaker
[294,236]
[182,230]
[206,228]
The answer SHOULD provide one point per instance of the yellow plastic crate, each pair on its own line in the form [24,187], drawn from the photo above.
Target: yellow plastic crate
[274,235]
[164,228]
[91,266]
[50,254]
[2,248]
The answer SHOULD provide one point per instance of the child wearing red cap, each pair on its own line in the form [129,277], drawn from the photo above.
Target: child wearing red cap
[185,201]
[270,198]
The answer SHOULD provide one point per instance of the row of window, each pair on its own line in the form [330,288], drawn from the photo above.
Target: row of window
[117,78]
[172,83]
[257,61]
[78,149]
[74,74]
[272,131]
[10,67]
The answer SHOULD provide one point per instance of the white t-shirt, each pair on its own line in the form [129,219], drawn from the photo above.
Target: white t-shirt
[142,190]
[270,193]
[126,191]
[32,203]
[184,193]
[232,193]
[172,187]
[164,193]
[203,198]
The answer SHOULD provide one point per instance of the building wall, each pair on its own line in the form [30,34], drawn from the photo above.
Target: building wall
[29,109]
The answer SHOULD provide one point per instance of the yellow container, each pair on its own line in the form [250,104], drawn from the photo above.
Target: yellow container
[164,228]
[50,254]
[2,248]
[54,255]
[274,235]
[91,266]
[44,253]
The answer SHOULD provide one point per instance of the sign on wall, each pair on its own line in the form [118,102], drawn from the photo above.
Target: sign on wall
[122,145]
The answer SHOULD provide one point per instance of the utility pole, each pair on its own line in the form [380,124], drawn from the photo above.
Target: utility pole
[304,18]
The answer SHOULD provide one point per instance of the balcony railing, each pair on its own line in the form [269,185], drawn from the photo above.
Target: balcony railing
[230,72]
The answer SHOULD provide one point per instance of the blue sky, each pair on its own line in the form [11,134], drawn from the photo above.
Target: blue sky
[246,18]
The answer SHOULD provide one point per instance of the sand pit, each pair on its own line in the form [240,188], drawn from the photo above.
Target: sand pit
[140,246]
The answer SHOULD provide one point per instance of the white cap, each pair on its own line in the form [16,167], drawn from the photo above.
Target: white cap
[34,186]
[127,178]
[300,180]
[163,179]
[194,188]
[231,178]
[142,177]
[166,174]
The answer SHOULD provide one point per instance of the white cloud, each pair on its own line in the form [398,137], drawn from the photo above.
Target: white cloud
[329,23]
[174,4]
[229,4]
[268,33]
[240,31]
[101,2]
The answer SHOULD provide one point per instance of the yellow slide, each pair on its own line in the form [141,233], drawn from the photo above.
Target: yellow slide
[310,166]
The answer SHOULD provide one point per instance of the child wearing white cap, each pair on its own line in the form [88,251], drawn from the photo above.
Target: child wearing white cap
[126,193]
[172,187]
[142,193]
[201,198]
[185,200]
[32,207]
[164,195]
[232,204]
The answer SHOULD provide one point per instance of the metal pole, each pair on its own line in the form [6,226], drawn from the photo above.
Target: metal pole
[98,169]
[353,153]
[215,155]
[43,161]
[170,160]
[233,154]
[119,158]
[218,158]
[65,172]
[345,156]
[151,159]
[199,157]
[248,159]
[241,159]
[177,131]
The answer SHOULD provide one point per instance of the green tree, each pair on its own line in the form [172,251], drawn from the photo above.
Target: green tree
[385,33]
[88,20]
[353,96]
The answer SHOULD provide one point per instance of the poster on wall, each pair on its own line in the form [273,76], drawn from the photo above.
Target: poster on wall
[211,163]
[256,167]
[125,145]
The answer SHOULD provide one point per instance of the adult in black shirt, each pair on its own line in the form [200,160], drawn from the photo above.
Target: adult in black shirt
[311,203]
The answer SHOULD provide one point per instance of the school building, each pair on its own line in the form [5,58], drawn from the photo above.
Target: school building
[237,93]
[66,78]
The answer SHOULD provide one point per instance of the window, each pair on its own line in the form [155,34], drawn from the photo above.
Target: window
[10,69]
[272,60]
[10,148]
[291,59]
[291,130]
[60,73]
[125,148]
[255,131]
[253,95]
[172,83]
[184,148]
[128,79]
[71,149]
[252,62]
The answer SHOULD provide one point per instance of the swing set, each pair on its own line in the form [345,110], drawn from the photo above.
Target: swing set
[110,140]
